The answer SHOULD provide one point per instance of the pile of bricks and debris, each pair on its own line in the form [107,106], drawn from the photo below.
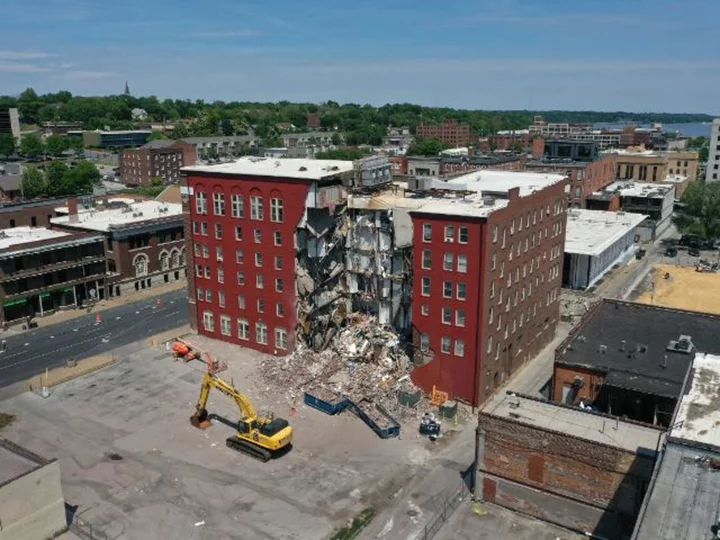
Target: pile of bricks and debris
[364,360]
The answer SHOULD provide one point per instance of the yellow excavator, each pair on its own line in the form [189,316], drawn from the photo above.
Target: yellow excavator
[258,437]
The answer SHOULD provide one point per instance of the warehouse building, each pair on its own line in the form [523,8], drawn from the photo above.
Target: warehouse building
[594,242]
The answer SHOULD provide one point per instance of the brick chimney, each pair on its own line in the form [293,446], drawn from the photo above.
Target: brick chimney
[73,209]
[538,148]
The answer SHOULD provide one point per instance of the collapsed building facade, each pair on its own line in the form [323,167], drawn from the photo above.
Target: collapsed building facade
[293,251]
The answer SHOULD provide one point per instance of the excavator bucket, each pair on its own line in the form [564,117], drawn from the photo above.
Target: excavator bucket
[200,419]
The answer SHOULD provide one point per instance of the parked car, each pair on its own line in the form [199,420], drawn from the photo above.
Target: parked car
[671,252]
[640,253]
[694,252]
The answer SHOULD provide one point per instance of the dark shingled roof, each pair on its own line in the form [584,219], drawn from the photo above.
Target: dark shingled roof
[597,345]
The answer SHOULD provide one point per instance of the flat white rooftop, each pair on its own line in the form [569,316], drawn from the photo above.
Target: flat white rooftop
[17,236]
[504,181]
[578,423]
[103,220]
[306,169]
[629,188]
[698,415]
[590,232]
[469,206]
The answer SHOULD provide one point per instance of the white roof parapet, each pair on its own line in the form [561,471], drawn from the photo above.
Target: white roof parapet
[306,169]
[591,232]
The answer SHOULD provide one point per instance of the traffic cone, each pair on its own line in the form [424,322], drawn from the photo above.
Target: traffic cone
[98,318]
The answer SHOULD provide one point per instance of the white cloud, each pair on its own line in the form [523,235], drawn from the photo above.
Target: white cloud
[17,67]
[24,55]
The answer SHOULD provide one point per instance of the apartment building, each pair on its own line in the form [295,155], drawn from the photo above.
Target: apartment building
[112,139]
[144,240]
[306,145]
[221,147]
[672,168]
[487,271]
[712,174]
[10,121]
[161,159]
[450,132]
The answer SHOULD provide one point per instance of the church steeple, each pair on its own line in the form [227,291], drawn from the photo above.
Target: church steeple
[127,89]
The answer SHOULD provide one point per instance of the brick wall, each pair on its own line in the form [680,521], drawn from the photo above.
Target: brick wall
[610,479]
[564,376]
[22,215]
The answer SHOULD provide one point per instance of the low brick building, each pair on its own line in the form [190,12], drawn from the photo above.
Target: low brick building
[29,214]
[145,244]
[450,132]
[157,159]
[585,471]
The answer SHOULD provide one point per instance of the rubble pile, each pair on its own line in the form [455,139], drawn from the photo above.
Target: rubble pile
[362,361]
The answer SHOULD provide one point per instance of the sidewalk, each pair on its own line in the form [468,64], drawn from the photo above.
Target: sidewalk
[70,314]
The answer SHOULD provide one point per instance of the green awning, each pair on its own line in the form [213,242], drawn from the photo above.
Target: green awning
[69,289]
[15,302]
[45,295]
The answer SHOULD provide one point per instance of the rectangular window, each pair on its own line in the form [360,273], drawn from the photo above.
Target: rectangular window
[424,343]
[218,231]
[243,329]
[256,208]
[200,293]
[448,260]
[459,347]
[207,272]
[208,321]
[449,233]
[225,325]
[426,286]
[238,233]
[221,275]
[199,270]
[426,259]
[258,236]
[278,262]
[281,338]
[201,203]
[219,253]
[208,295]
[276,210]
[206,252]
[462,264]
[445,345]
[446,315]
[280,309]
[197,249]
[459,317]
[427,232]
[238,207]
[258,259]
[463,235]
[196,227]
[261,333]
[239,256]
[204,228]
[277,235]
[425,310]
[219,204]
[279,285]
[241,277]
[260,306]
[241,301]
[447,289]
[259,281]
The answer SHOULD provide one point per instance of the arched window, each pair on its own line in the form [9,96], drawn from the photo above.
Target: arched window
[140,263]
[175,258]
[164,260]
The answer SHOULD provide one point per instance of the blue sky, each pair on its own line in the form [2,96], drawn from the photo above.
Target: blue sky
[636,55]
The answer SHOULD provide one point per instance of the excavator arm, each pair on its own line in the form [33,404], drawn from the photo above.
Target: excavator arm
[200,419]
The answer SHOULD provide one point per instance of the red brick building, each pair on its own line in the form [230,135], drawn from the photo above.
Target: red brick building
[29,214]
[486,280]
[241,223]
[449,132]
[157,159]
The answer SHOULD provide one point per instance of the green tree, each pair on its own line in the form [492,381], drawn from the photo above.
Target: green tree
[156,181]
[32,146]
[701,210]
[76,144]
[7,144]
[180,131]
[426,147]
[517,147]
[56,145]
[34,183]
[337,139]
[157,136]
[82,178]
[58,180]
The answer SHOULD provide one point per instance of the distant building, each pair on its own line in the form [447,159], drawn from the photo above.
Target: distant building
[157,159]
[29,214]
[656,201]
[139,114]
[62,128]
[313,121]
[113,139]
[631,360]
[684,490]
[452,165]
[10,186]
[655,166]
[221,147]
[275,152]
[144,240]
[449,132]
[307,145]
[594,242]
[10,121]
[43,270]
[712,173]
[398,140]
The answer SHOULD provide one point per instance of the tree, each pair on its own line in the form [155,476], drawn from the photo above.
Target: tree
[157,136]
[156,181]
[34,183]
[701,210]
[56,145]
[58,180]
[517,147]
[337,139]
[7,144]
[82,178]
[426,147]
[180,131]
[32,146]
[76,144]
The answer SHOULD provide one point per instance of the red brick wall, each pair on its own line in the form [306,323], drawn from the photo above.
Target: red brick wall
[538,148]
[22,216]
[565,465]
[565,376]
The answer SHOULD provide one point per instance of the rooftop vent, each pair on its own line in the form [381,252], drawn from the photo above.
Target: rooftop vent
[303,168]
[488,201]
[683,345]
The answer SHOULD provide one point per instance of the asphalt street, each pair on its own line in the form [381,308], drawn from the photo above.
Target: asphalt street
[30,353]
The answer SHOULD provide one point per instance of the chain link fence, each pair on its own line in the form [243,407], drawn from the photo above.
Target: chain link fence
[449,505]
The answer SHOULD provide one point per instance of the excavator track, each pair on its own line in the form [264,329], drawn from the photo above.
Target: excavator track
[249,449]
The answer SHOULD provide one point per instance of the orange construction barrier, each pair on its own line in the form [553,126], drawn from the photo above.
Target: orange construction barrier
[438,398]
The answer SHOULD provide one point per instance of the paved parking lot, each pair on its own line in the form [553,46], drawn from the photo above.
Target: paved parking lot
[135,467]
